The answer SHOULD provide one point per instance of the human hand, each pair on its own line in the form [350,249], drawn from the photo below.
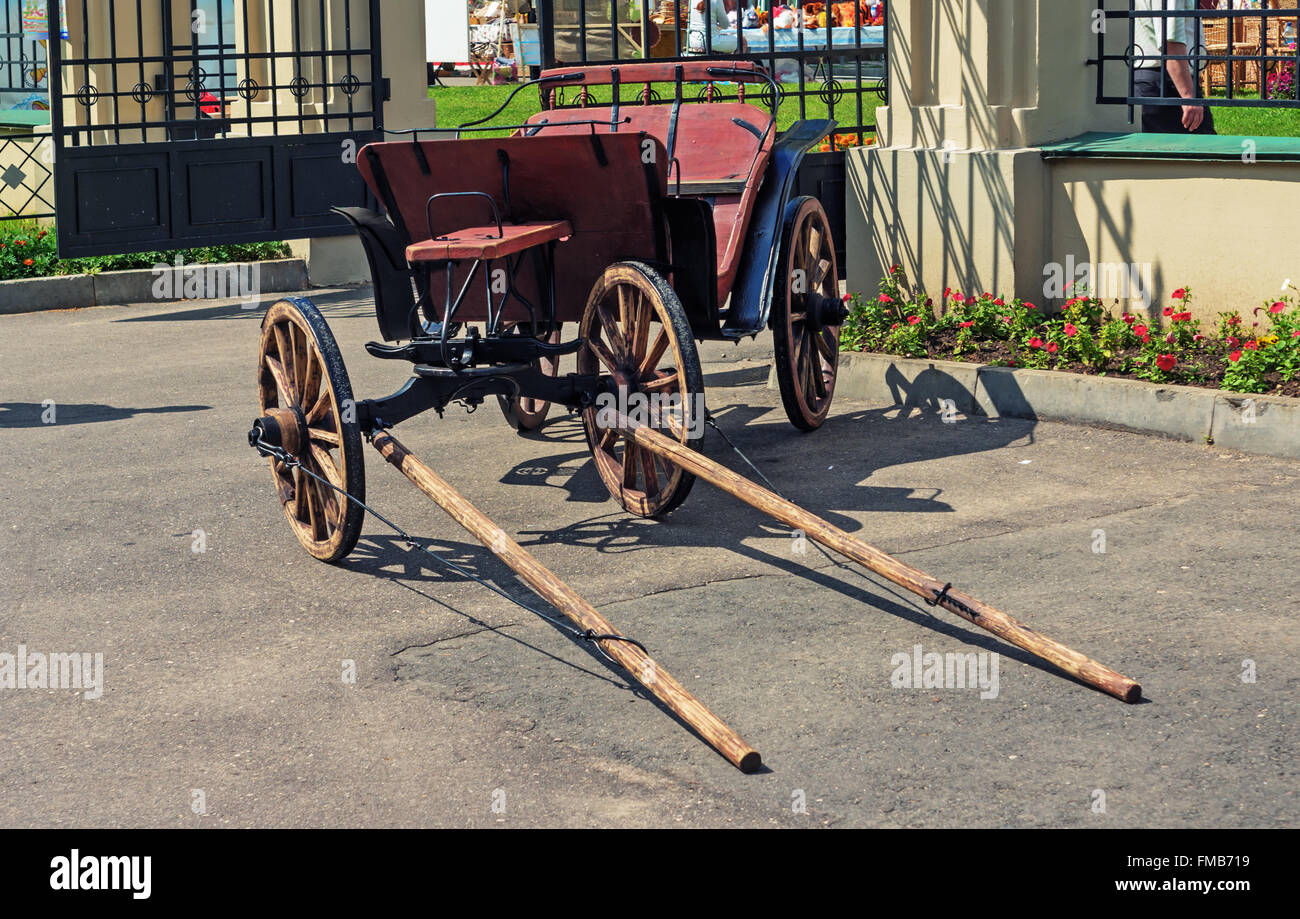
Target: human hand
[1193,115]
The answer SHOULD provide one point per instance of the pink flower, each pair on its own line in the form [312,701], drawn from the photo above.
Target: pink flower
[1071,330]
[1296,334]
[1140,331]
[1035,343]
[885,298]
[1180,293]
[1169,310]
[1053,347]
[967,325]
[846,298]
[1252,346]
[1277,308]
[913,320]
[1171,338]
[1030,306]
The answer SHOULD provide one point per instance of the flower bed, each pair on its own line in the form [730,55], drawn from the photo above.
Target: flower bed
[29,251]
[1258,353]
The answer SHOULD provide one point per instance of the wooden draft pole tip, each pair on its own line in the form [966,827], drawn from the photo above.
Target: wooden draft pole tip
[547,584]
[930,589]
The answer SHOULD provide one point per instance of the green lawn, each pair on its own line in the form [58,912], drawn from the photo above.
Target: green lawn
[1257,122]
[457,105]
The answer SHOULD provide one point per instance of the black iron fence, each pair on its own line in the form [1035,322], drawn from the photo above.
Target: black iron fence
[26,176]
[23,60]
[826,64]
[1241,58]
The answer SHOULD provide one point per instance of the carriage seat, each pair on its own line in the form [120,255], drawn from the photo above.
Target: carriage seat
[487,242]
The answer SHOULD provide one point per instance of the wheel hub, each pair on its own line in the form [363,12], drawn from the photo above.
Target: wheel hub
[825,312]
[285,428]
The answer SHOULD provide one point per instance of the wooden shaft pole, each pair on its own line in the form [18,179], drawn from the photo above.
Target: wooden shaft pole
[563,597]
[918,582]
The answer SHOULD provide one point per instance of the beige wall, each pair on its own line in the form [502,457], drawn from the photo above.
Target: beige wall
[959,195]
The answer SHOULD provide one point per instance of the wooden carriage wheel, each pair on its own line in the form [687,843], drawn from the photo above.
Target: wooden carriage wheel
[635,330]
[806,315]
[525,414]
[303,385]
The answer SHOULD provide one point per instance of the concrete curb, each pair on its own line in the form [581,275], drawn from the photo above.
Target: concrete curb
[115,288]
[1268,425]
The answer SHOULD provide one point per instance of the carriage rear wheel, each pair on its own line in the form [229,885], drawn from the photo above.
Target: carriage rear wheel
[806,315]
[635,330]
[526,414]
[303,387]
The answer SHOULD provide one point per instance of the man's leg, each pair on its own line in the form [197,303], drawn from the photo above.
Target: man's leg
[1158,119]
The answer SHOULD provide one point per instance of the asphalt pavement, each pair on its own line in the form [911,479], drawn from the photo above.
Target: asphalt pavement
[228,690]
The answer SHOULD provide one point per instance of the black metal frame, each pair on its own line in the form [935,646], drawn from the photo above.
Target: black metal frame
[832,91]
[26,186]
[1265,62]
[270,176]
[20,57]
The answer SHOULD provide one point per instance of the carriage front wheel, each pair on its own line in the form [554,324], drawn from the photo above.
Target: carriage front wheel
[806,315]
[303,389]
[635,331]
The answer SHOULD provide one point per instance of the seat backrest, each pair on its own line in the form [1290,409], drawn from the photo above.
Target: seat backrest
[607,186]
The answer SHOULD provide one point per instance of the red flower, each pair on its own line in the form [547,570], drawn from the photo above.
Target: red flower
[846,298]
[1140,331]
[1182,317]
[913,320]
[894,326]
[1169,310]
[28,262]
[1296,334]
[42,234]
[1252,346]
[998,302]
[1035,343]
[1030,306]
[20,242]
[1166,362]
[1233,342]
[894,268]
[967,325]
[1180,293]
[947,292]
[1053,347]
[1234,356]
[1011,362]
[1277,308]
[1071,330]
[929,301]
[1129,318]
[1007,320]
[1234,320]
[885,298]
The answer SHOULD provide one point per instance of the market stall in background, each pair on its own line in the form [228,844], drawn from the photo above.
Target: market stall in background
[500,41]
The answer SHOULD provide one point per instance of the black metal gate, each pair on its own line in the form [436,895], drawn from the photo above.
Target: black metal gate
[837,72]
[181,123]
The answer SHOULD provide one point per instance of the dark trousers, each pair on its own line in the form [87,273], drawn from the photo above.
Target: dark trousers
[1154,82]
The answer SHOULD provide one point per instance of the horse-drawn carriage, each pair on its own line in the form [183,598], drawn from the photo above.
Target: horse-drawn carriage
[621,233]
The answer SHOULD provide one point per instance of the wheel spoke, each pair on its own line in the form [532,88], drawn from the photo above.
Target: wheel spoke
[641,329]
[282,386]
[300,499]
[826,348]
[651,361]
[283,348]
[602,352]
[625,309]
[667,381]
[631,454]
[321,410]
[328,437]
[651,473]
[608,438]
[607,323]
[313,380]
[823,266]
